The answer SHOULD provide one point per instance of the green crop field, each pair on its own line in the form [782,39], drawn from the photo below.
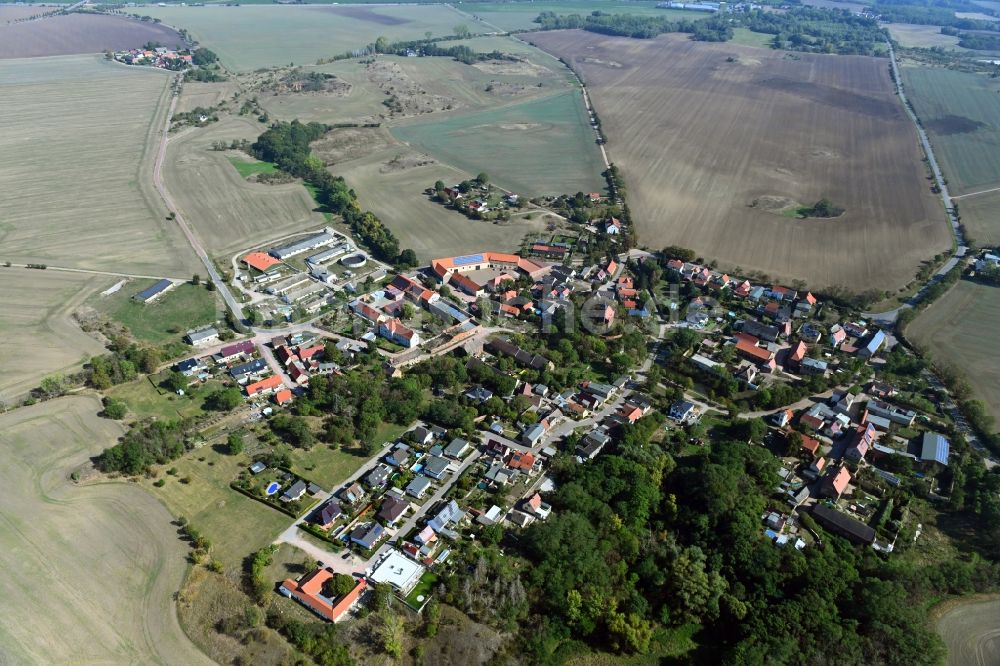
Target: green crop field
[956,328]
[961,113]
[539,147]
[167,318]
[247,168]
[78,146]
[521,15]
[251,37]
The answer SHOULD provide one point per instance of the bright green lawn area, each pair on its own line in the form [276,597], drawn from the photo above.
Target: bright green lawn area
[961,113]
[746,37]
[145,400]
[541,147]
[252,37]
[167,318]
[325,466]
[248,168]
[423,588]
[235,524]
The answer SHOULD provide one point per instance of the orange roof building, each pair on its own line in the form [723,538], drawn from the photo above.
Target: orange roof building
[522,461]
[269,384]
[448,266]
[283,397]
[261,261]
[308,591]
[747,346]
[798,352]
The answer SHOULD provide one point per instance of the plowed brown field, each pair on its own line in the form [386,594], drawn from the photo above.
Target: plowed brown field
[79,33]
[702,131]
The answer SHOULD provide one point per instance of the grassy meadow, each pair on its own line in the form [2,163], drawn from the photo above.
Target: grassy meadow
[78,146]
[251,37]
[180,309]
[539,147]
[89,571]
[427,227]
[37,334]
[956,329]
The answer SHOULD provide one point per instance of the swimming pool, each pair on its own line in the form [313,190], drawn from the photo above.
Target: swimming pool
[272,487]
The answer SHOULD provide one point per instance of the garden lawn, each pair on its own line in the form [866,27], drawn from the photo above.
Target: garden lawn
[180,309]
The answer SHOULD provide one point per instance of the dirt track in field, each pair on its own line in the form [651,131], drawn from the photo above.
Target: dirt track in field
[702,131]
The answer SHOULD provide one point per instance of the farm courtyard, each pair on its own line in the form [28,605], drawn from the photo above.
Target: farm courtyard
[718,143]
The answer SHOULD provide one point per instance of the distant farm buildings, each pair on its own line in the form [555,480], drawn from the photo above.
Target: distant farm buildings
[312,242]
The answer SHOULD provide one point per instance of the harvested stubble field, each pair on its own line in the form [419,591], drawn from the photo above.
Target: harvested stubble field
[229,212]
[79,33]
[957,329]
[391,184]
[205,95]
[10,13]
[981,217]
[922,36]
[89,571]
[37,334]
[702,131]
[971,630]
[250,37]
[78,149]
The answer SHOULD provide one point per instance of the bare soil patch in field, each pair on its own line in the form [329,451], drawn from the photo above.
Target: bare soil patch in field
[971,630]
[80,33]
[90,570]
[699,138]
[957,329]
[230,213]
[37,334]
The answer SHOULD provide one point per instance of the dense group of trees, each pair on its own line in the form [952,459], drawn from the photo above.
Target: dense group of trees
[710,29]
[147,444]
[796,29]
[286,144]
[933,12]
[641,542]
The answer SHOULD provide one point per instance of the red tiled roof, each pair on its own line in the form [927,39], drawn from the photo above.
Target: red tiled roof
[260,260]
[309,589]
[283,396]
[798,352]
[268,384]
[522,461]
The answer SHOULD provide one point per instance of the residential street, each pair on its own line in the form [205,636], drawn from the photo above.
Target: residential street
[295,537]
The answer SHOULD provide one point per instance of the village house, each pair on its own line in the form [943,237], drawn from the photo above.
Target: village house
[835,482]
[309,591]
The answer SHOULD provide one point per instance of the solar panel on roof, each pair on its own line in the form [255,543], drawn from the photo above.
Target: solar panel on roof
[468,259]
